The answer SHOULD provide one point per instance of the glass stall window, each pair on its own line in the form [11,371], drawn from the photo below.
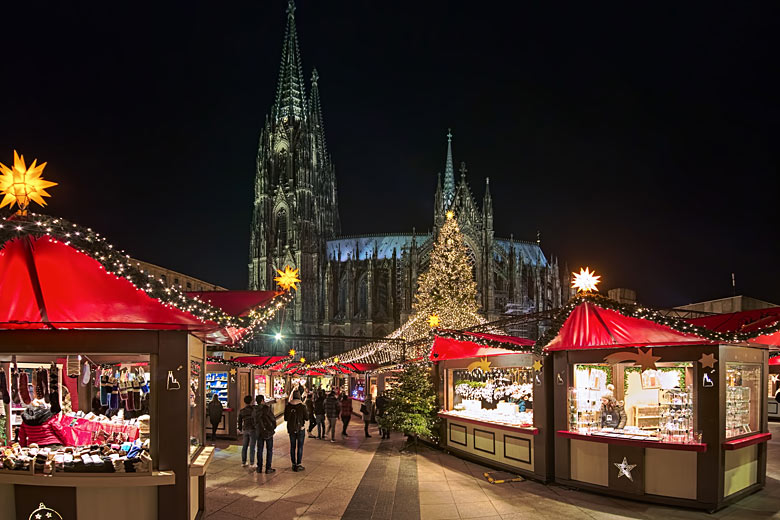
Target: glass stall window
[742,398]
[359,389]
[503,395]
[624,401]
[279,390]
[217,384]
[197,413]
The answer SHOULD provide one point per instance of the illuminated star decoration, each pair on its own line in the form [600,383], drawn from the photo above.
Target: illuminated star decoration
[537,366]
[708,360]
[585,281]
[483,364]
[450,214]
[232,371]
[303,360]
[624,469]
[292,352]
[20,184]
[335,360]
[433,321]
[288,278]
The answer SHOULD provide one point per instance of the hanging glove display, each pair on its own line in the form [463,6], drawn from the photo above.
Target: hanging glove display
[4,392]
[15,397]
[85,374]
[24,387]
[54,389]
[43,377]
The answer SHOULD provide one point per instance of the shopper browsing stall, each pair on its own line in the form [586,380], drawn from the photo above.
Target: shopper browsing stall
[247,427]
[265,423]
[215,415]
[41,427]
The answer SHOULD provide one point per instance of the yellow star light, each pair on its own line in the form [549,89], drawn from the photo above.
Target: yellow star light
[20,184]
[303,360]
[585,281]
[287,278]
[292,352]
[450,214]
[433,321]
[537,366]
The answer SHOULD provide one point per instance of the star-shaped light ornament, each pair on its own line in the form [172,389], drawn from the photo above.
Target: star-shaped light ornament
[292,352]
[537,366]
[19,184]
[450,215]
[708,360]
[646,359]
[433,321]
[303,360]
[232,371]
[624,469]
[288,278]
[585,281]
[335,360]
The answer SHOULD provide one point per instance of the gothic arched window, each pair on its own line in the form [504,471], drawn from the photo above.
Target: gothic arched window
[281,228]
[380,305]
[363,296]
[343,296]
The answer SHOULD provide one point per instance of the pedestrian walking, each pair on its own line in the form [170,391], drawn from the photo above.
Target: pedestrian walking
[319,412]
[381,409]
[266,427]
[310,411]
[346,412]
[332,411]
[246,426]
[215,416]
[366,409]
[295,415]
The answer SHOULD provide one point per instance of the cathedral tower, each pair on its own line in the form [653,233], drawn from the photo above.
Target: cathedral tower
[295,203]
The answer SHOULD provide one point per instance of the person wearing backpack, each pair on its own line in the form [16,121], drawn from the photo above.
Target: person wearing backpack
[295,414]
[266,427]
[246,426]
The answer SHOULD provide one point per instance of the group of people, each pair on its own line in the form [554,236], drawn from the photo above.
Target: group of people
[257,423]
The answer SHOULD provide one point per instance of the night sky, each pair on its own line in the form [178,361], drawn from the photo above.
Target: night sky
[639,141]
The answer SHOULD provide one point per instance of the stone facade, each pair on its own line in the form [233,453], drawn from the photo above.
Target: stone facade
[363,286]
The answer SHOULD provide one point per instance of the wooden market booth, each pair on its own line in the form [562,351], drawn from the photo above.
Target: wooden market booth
[686,424]
[73,305]
[494,393]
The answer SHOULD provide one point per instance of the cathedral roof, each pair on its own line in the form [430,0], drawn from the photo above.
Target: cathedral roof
[362,247]
[529,252]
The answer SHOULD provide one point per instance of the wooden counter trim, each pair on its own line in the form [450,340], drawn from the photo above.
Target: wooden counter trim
[201,463]
[498,426]
[747,441]
[629,442]
[92,480]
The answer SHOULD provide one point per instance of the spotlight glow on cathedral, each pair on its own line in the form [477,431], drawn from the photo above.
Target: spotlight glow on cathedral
[585,281]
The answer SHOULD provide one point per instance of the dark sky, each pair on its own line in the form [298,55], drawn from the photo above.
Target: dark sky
[641,141]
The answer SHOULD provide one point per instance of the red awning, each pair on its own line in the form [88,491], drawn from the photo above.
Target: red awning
[451,348]
[236,303]
[261,361]
[47,284]
[590,326]
[745,322]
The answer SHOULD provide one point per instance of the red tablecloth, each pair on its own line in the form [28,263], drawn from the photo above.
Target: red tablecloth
[83,432]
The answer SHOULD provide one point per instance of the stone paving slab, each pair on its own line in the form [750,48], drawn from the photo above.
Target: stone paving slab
[368,479]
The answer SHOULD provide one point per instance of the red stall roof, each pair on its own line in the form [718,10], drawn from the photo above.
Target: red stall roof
[45,283]
[261,361]
[746,322]
[236,303]
[456,345]
[590,327]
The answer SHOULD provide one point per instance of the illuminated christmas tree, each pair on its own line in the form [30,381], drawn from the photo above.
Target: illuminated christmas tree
[447,290]
[412,407]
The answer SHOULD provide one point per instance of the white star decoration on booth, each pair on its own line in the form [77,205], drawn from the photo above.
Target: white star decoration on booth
[624,469]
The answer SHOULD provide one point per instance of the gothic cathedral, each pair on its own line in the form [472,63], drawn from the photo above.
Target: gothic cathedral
[363,286]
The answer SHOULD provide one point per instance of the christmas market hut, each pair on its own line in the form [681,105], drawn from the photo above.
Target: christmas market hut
[493,390]
[95,355]
[654,408]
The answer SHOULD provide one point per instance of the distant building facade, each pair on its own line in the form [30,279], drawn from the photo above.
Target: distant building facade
[176,279]
[726,305]
[363,286]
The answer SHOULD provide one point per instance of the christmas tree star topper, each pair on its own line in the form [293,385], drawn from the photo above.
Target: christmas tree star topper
[433,321]
[288,278]
[20,184]
[585,281]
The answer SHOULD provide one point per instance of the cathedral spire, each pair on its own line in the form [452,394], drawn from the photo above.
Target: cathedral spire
[449,174]
[290,95]
[318,123]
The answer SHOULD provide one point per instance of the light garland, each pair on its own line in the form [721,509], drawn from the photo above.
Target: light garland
[118,263]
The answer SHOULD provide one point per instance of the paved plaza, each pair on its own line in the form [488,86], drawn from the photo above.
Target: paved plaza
[364,479]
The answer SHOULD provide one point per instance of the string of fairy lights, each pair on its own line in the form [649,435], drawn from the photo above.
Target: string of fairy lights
[119,264]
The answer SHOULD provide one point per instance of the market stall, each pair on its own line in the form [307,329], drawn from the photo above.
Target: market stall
[111,354]
[653,408]
[493,393]
[773,388]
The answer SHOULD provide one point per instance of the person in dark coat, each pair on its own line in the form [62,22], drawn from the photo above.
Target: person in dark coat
[319,412]
[215,415]
[295,415]
[346,412]
[613,415]
[265,422]
[381,408]
[310,410]
[367,409]
[332,412]
[247,429]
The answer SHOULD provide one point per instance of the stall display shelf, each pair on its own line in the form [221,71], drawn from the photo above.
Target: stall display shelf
[628,441]
[525,428]
[217,383]
[100,480]
[747,441]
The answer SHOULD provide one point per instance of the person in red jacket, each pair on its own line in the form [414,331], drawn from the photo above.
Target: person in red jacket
[41,427]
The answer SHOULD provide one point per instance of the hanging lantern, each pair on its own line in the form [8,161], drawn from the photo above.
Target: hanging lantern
[20,184]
